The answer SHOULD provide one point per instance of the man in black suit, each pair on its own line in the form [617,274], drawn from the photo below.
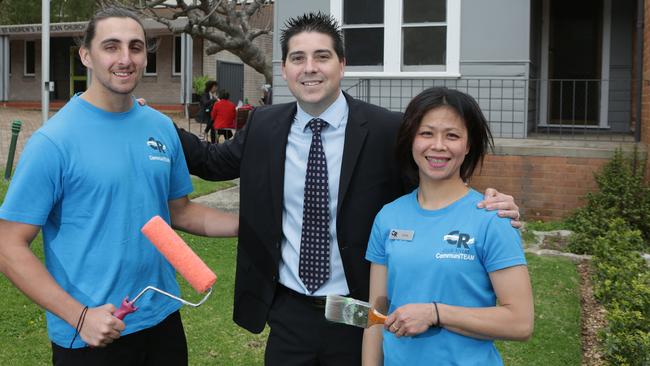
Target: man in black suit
[271,155]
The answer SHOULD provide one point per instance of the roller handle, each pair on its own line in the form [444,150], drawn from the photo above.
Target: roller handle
[125,308]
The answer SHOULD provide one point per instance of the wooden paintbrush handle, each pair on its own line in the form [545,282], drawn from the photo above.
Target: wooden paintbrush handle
[375,317]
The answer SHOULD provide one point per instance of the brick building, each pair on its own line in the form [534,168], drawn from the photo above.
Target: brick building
[20,64]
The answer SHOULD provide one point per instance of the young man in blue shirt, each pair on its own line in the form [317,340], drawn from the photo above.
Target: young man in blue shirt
[90,178]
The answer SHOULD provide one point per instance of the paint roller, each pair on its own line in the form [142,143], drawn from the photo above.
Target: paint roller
[181,257]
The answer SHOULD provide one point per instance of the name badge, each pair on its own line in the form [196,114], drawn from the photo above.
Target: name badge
[397,234]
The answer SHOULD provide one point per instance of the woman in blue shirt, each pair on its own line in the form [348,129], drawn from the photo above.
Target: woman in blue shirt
[439,264]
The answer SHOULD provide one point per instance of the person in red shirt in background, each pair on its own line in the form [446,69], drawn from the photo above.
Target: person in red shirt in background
[223,117]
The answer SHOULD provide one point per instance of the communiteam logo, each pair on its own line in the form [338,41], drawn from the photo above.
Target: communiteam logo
[157,145]
[160,148]
[460,240]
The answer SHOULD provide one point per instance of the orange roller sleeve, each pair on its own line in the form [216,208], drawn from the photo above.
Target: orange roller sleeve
[179,254]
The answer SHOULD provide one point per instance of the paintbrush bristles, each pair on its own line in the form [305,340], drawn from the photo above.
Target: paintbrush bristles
[346,310]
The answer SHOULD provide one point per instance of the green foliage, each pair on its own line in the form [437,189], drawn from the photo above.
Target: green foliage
[198,84]
[613,226]
[622,193]
[622,285]
[537,225]
[617,264]
[29,11]
[587,225]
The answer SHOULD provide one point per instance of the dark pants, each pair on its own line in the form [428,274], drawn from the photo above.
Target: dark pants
[227,134]
[212,131]
[300,334]
[163,344]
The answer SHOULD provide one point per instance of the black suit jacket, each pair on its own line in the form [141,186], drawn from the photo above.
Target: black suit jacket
[369,179]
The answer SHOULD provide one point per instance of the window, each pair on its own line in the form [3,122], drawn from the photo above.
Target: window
[30,58]
[151,69]
[363,33]
[396,38]
[176,71]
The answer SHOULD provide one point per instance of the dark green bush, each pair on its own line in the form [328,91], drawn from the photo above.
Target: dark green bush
[622,285]
[624,343]
[618,266]
[622,193]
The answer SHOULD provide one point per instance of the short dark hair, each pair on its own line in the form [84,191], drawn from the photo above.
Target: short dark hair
[312,22]
[479,137]
[208,85]
[105,13]
[223,94]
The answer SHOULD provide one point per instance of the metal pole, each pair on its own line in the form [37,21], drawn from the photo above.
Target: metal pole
[15,130]
[45,59]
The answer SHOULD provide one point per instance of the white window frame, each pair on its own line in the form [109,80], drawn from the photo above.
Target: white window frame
[393,40]
[25,73]
[174,73]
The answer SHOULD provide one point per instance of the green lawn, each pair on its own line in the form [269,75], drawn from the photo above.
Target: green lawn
[556,340]
[213,338]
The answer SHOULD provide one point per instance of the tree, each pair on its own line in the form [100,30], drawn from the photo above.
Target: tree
[225,23]
[29,11]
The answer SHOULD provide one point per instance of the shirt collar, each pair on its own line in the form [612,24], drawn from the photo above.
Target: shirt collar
[334,115]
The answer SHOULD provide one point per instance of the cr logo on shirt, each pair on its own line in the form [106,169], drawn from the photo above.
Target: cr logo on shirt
[459,239]
[157,145]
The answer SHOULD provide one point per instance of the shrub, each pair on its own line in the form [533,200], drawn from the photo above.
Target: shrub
[616,261]
[624,340]
[622,285]
[622,193]
[588,224]
[198,84]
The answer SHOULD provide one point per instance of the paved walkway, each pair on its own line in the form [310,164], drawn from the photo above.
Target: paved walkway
[226,199]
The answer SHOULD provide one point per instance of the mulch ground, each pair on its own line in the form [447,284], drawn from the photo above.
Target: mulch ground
[592,318]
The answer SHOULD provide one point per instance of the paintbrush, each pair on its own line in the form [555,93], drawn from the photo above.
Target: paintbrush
[351,311]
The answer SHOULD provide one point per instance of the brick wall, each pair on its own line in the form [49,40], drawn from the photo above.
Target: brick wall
[23,87]
[164,87]
[544,187]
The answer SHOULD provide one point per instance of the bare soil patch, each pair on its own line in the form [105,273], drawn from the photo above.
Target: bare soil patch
[592,318]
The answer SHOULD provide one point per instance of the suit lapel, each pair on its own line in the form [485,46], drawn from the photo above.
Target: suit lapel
[355,135]
[278,137]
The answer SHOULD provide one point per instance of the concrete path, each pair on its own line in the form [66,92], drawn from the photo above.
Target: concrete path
[226,199]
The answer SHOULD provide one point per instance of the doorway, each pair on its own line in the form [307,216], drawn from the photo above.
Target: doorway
[230,77]
[575,63]
[78,73]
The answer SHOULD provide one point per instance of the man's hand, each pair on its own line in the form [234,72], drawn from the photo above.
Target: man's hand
[101,328]
[410,319]
[494,200]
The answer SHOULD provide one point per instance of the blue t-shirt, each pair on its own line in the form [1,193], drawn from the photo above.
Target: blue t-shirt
[448,260]
[92,179]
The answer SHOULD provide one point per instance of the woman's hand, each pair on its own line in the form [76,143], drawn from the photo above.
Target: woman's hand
[411,319]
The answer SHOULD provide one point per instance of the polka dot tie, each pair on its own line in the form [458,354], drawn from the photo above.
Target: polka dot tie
[314,268]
